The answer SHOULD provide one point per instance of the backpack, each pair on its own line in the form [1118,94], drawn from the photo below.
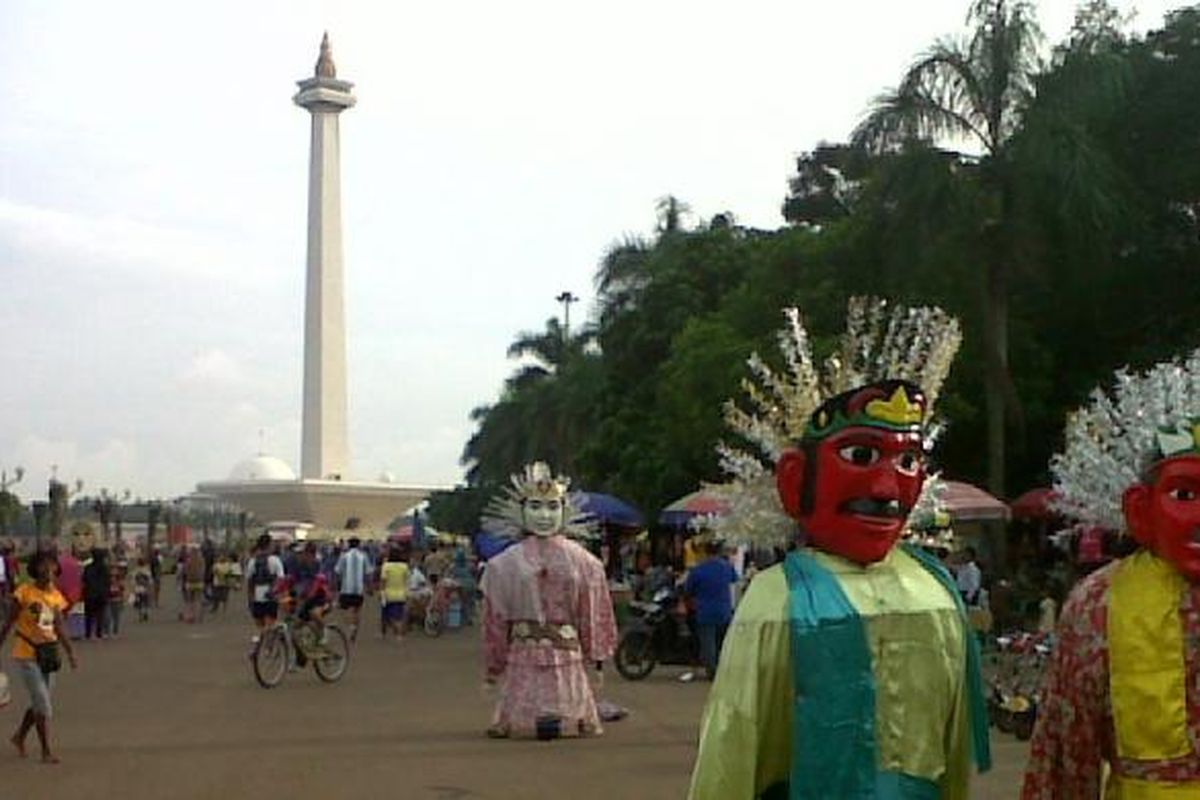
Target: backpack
[261,579]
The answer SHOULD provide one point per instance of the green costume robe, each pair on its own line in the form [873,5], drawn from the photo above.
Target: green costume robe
[916,641]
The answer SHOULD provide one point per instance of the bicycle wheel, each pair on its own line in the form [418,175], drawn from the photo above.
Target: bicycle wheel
[433,622]
[330,665]
[271,658]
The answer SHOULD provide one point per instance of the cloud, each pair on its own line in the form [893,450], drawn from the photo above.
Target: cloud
[215,367]
[72,240]
[110,464]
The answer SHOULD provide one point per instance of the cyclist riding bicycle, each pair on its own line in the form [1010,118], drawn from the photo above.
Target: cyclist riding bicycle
[307,591]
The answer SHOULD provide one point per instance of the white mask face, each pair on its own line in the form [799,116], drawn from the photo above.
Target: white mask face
[543,517]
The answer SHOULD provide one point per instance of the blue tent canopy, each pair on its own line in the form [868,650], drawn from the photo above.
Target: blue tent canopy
[489,545]
[608,510]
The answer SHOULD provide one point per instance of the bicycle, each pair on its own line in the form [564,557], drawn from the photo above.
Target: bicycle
[438,607]
[283,644]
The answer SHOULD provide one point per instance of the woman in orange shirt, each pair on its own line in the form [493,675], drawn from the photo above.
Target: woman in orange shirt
[38,619]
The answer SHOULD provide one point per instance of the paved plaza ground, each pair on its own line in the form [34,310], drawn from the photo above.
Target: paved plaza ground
[172,711]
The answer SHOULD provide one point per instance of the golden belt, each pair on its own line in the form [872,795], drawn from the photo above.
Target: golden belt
[559,635]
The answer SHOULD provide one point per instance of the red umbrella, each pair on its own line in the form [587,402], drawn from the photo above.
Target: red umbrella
[681,512]
[1035,504]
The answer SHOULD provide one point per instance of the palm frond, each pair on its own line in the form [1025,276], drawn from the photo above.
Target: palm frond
[939,97]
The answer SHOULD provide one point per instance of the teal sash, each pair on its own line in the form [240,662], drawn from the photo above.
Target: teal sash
[833,720]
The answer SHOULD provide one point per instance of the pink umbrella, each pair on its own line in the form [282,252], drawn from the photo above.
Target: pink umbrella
[967,502]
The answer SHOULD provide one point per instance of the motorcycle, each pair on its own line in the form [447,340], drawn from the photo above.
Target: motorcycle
[658,635]
[1013,668]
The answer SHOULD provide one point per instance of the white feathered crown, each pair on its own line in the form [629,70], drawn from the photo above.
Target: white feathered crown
[504,513]
[882,341]
[1110,442]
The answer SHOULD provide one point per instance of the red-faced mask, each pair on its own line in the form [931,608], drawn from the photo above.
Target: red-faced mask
[866,483]
[1164,515]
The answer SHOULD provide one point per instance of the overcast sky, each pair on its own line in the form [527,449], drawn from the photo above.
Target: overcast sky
[153,190]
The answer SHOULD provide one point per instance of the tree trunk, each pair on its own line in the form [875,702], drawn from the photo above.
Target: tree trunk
[152,515]
[996,373]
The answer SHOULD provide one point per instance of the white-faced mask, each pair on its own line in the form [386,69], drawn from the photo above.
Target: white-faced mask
[543,517]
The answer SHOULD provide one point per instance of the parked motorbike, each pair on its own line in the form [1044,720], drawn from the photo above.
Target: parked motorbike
[658,635]
[1013,669]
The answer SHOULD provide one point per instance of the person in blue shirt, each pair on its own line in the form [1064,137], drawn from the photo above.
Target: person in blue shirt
[709,584]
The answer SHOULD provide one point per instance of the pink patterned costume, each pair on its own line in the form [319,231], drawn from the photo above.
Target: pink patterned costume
[547,620]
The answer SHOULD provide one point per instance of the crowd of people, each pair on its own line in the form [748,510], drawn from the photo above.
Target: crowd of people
[345,573]
[55,596]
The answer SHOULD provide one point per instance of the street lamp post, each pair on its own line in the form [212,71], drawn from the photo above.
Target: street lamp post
[566,298]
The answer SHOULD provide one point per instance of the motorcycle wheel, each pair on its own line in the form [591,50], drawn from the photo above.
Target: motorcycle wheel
[1023,725]
[635,655]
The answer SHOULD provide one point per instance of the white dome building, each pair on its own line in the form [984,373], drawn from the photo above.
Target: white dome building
[262,468]
[268,488]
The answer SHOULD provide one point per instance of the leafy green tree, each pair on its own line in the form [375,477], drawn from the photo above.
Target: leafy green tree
[459,510]
[10,511]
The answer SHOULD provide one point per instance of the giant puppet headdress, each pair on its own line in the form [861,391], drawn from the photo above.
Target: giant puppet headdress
[908,350]
[1120,433]
[504,514]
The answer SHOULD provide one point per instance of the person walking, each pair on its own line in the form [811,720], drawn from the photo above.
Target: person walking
[194,570]
[143,588]
[222,579]
[118,587]
[393,593]
[156,575]
[96,582]
[968,577]
[8,581]
[351,570]
[38,620]
[463,574]
[710,584]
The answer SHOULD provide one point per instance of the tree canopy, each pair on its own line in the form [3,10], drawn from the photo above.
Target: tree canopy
[1067,239]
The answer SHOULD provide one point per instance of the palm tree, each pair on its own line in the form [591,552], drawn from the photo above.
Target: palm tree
[975,92]
[621,277]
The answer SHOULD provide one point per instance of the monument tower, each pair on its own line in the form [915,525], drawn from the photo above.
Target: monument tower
[324,453]
[324,496]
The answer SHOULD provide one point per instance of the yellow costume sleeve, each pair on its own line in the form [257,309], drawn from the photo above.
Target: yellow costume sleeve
[955,783]
[745,735]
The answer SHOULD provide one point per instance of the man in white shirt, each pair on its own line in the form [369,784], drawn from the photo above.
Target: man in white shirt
[969,578]
[263,571]
[351,571]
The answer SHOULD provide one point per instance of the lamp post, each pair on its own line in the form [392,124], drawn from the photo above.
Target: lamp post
[566,298]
